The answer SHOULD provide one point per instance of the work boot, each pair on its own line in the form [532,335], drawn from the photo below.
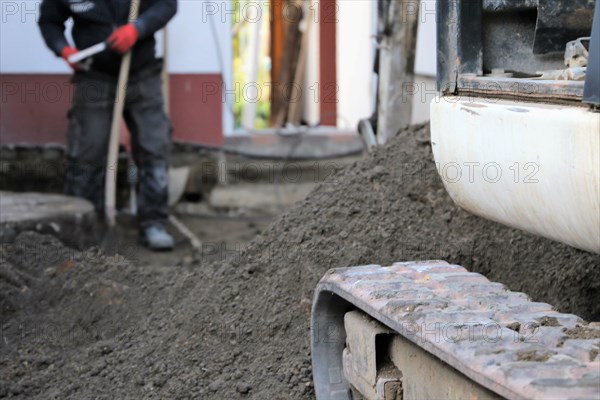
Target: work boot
[155,237]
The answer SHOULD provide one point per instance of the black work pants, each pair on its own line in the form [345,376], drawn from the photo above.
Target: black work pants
[89,130]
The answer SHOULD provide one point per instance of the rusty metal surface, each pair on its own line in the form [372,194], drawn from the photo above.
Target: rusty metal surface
[559,22]
[459,42]
[362,369]
[520,89]
[508,43]
[500,339]
[509,5]
[361,333]
[422,372]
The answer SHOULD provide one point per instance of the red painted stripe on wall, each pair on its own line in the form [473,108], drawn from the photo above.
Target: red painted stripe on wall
[328,93]
[197,108]
[33,108]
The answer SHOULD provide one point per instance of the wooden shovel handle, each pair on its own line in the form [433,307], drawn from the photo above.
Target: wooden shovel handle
[110,183]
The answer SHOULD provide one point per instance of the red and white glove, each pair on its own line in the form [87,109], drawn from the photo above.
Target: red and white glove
[123,38]
[68,51]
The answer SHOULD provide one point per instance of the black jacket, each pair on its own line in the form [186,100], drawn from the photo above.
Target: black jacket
[95,20]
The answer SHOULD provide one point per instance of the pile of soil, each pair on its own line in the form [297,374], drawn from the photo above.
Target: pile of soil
[240,328]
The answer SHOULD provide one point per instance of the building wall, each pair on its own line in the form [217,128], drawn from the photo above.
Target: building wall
[425,62]
[357,23]
[355,55]
[36,94]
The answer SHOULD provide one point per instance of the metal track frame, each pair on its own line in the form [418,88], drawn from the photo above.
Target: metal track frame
[499,339]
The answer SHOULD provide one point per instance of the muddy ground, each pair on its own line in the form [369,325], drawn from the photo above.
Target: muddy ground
[235,324]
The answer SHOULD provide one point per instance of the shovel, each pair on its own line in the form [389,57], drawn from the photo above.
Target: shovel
[114,234]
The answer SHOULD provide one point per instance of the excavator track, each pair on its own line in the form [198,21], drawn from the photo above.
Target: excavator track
[485,340]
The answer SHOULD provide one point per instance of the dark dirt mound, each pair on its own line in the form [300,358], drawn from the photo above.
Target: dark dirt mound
[240,328]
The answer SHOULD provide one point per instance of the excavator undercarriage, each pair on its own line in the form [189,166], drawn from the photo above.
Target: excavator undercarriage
[432,330]
[516,139]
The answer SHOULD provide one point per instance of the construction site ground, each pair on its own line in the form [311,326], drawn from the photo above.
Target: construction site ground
[231,320]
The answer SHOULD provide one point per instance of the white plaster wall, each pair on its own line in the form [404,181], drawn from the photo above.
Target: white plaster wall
[22,49]
[192,46]
[355,50]
[425,62]
[312,112]
[200,41]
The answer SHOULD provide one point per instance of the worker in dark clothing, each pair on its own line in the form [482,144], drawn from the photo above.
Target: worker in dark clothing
[90,116]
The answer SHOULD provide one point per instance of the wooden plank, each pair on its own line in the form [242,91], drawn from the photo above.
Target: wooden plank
[291,53]
[278,31]
[396,70]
